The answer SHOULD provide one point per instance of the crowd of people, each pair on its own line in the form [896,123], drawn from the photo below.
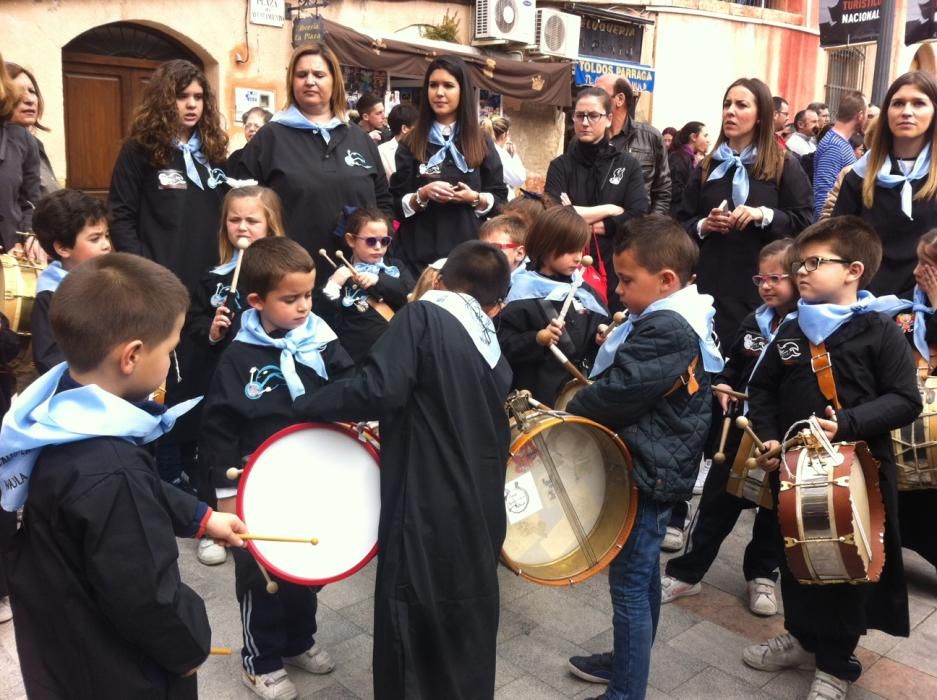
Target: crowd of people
[213,274]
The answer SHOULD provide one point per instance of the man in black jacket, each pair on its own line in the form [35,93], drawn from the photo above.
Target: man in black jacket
[641,140]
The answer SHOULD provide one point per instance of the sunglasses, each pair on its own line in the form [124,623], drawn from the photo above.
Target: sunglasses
[772,280]
[375,241]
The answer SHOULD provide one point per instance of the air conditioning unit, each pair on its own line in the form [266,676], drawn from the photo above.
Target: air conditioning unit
[557,34]
[500,21]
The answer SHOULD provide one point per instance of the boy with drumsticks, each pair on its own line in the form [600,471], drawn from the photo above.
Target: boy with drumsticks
[100,609]
[850,366]
[281,352]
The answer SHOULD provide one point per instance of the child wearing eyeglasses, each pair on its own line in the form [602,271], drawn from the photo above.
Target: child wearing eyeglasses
[508,233]
[846,362]
[359,304]
[718,509]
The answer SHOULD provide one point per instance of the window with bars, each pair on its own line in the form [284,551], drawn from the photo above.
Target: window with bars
[845,73]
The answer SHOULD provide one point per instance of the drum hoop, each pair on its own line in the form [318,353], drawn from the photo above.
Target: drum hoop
[251,547]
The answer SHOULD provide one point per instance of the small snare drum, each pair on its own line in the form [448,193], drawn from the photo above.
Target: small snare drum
[916,445]
[749,483]
[18,279]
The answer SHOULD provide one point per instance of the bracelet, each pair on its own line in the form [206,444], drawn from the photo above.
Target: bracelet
[477,200]
[420,203]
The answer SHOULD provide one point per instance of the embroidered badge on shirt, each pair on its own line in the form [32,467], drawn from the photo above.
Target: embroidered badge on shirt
[789,350]
[353,158]
[432,171]
[221,294]
[905,322]
[263,380]
[617,176]
[171,180]
[754,343]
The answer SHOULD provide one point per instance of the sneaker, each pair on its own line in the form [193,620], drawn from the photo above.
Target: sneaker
[783,651]
[313,660]
[761,598]
[595,669]
[211,554]
[6,612]
[704,467]
[271,686]
[827,687]
[674,539]
[671,589]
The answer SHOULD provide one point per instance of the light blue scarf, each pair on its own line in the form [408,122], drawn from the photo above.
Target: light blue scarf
[295,119]
[377,268]
[50,278]
[740,182]
[886,178]
[304,343]
[820,321]
[229,266]
[764,317]
[448,146]
[192,152]
[532,285]
[474,320]
[40,417]
[695,308]
[520,269]
[922,310]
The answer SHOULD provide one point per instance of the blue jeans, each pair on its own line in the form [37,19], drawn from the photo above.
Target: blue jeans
[634,582]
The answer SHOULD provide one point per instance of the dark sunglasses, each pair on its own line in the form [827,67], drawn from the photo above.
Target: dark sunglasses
[375,241]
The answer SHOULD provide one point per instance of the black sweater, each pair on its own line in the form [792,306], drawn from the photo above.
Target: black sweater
[46,353]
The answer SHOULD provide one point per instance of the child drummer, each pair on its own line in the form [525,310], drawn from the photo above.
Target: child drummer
[874,384]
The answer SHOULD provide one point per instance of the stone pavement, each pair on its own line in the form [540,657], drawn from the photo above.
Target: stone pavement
[697,653]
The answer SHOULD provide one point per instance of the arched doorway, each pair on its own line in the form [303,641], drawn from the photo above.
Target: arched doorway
[104,71]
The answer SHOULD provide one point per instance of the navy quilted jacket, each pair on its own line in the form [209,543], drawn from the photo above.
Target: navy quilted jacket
[664,434]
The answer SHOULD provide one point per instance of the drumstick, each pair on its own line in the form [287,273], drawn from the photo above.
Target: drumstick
[272,586]
[274,538]
[326,256]
[728,392]
[220,651]
[617,320]
[744,424]
[720,456]
[544,336]
[570,367]
[233,473]
[341,256]
[242,244]
[752,462]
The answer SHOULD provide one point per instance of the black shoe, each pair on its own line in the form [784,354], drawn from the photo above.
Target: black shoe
[595,669]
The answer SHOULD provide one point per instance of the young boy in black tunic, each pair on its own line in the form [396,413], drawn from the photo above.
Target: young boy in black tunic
[100,609]
[437,382]
[873,373]
[250,399]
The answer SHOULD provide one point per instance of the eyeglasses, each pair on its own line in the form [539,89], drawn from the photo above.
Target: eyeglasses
[506,246]
[588,116]
[375,241]
[772,280]
[813,263]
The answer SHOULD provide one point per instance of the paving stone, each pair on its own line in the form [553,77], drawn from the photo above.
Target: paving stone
[511,585]
[674,620]
[333,692]
[528,688]
[897,681]
[513,623]
[349,591]
[544,655]
[882,643]
[600,643]
[713,684]
[506,672]
[671,667]
[594,592]
[731,612]
[721,648]
[559,610]
[920,650]
[361,614]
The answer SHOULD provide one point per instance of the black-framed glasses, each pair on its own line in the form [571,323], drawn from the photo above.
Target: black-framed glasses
[772,280]
[588,116]
[375,241]
[813,263]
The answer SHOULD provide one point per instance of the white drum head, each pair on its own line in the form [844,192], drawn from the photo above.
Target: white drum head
[313,480]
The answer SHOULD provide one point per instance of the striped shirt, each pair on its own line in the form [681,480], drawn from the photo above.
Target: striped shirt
[833,154]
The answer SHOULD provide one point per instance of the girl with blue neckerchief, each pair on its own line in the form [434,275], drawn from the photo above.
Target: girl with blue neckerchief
[746,193]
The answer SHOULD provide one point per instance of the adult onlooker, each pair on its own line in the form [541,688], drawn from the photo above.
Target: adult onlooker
[857,141]
[667,136]
[894,186]
[782,113]
[401,119]
[871,115]
[834,151]
[642,141]
[823,113]
[603,183]
[765,194]
[448,171]
[28,113]
[19,169]
[804,139]
[371,117]
[313,158]
[515,174]
[252,119]
[690,146]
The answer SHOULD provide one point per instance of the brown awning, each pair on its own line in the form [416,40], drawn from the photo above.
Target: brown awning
[546,83]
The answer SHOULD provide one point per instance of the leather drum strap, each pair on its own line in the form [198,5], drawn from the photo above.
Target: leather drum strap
[383,309]
[688,379]
[822,366]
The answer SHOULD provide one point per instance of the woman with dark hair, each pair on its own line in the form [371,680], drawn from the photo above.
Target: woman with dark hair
[28,113]
[689,146]
[894,185]
[165,202]
[313,157]
[746,193]
[19,169]
[669,136]
[448,171]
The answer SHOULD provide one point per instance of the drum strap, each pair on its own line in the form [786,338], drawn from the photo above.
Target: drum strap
[822,366]
[687,379]
[383,309]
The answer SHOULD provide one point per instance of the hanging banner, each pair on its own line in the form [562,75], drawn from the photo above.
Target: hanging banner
[844,22]
[920,24]
[588,69]
[308,29]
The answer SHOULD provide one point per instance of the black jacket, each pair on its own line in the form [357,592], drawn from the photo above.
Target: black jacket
[9,349]
[665,434]
[46,353]
[681,166]
[646,144]
[19,182]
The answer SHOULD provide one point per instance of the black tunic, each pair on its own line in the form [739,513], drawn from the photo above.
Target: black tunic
[9,349]
[875,382]
[157,212]
[444,446]
[100,609]
[727,262]
[431,233]
[46,353]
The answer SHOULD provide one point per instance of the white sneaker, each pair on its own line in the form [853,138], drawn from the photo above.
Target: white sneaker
[671,589]
[6,612]
[783,651]
[313,660]
[761,597]
[674,539]
[211,554]
[271,686]
[704,467]
[827,687]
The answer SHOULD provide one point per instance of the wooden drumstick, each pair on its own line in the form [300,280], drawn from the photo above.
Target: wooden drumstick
[753,462]
[219,651]
[233,473]
[326,256]
[570,367]
[274,538]
[242,244]
[272,586]
[586,261]
[720,456]
[742,423]
[728,392]
[544,337]
[341,256]
[617,320]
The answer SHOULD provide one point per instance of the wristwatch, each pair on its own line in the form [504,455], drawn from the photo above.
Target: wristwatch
[477,200]
[420,203]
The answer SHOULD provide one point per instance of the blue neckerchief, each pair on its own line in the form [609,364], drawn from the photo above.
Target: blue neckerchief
[474,320]
[448,146]
[295,119]
[695,308]
[43,416]
[519,270]
[229,266]
[740,181]
[532,285]
[50,278]
[764,317]
[921,309]
[304,343]
[886,178]
[192,152]
[820,321]
[377,268]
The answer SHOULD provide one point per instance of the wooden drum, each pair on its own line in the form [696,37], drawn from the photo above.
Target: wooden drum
[18,278]
[916,445]
[570,389]
[750,483]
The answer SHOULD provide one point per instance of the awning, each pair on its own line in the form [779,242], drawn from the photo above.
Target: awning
[545,83]
[589,68]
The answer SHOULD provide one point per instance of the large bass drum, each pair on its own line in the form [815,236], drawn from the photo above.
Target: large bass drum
[568,493]
[916,445]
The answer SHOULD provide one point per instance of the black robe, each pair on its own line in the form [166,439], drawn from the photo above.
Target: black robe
[444,447]
[46,353]
[101,611]
[875,382]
